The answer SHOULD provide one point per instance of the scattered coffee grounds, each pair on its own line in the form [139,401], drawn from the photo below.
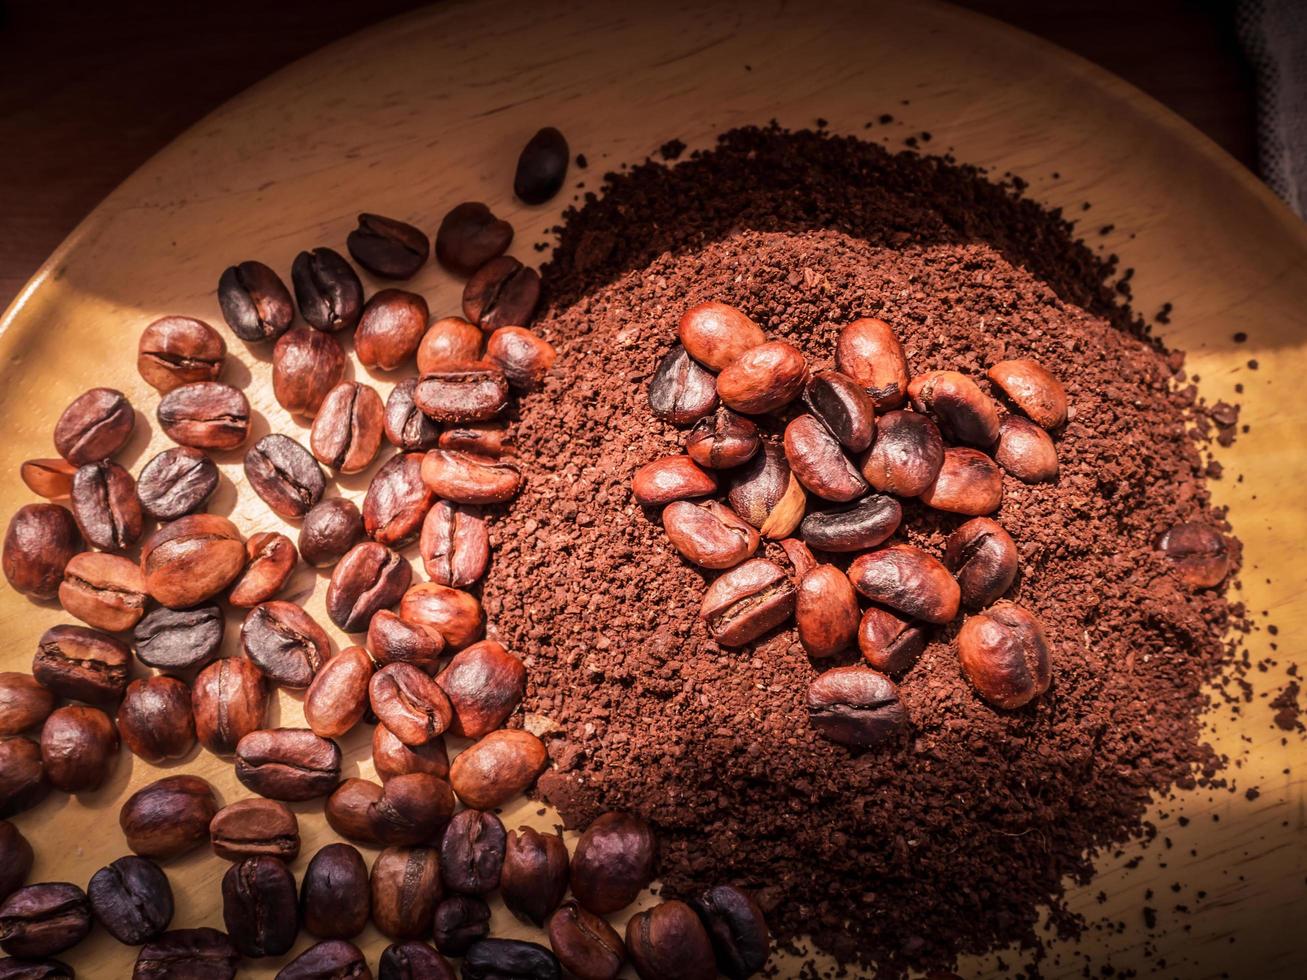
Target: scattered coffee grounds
[952,840]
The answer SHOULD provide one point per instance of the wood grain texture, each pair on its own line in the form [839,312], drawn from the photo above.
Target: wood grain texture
[418,114]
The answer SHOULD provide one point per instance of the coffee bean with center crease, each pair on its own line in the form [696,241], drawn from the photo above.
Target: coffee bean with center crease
[388,248]
[856,706]
[156,719]
[541,166]
[106,507]
[285,475]
[1199,553]
[407,427]
[462,393]
[306,364]
[869,352]
[94,426]
[455,614]
[39,543]
[1025,450]
[285,643]
[1005,654]
[254,301]
[843,406]
[854,527]
[334,959]
[455,544]
[460,921]
[533,879]
[188,954]
[368,579]
[709,534]
[132,899]
[766,493]
[82,664]
[205,415]
[405,810]
[334,900]
[722,440]
[192,559]
[889,642]
[397,500]
[177,350]
[391,757]
[737,929]
[405,885]
[484,683]
[176,482]
[168,817]
[715,334]
[179,639]
[338,697]
[472,853]
[524,357]
[271,560]
[50,478]
[612,863]
[106,592]
[510,959]
[410,703]
[330,529]
[229,700]
[327,289]
[470,236]
[585,944]
[968,483]
[467,479]
[502,293]
[669,941]
[255,827]
[450,342]
[499,767]
[957,406]
[983,558]
[747,601]
[24,702]
[390,329]
[347,431]
[393,640]
[79,746]
[413,961]
[22,775]
[260,907]
[907,579]
[681,392]
[290,764]
[1033,389]
[815,457]
[826,612]
[41,920]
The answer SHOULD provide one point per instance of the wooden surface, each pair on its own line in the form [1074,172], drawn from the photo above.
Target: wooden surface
[420,113]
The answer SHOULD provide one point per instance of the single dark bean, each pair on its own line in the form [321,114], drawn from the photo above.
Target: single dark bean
[13,968]
[413,961]
[253,828]
[177,350]
[260,907]
[369,578]
[470,236]
[397,501]
[338,697]
[388,248]
[1199,554]
[168,817]
[766,493]
[585,944]
[334,959]
[957,405]
[271,560]
[533,879]
[1005,654]
[289,764]
[306,365]
[450,342]
[472,854]
[541,166]
[410,703]
[205,415]
[524,357]
[188,954]
[510,959]
[909,580]
[485,684]
[826,612]
[889,642]
[390,329]
[1025,450]
[407,427]
[668,942]
[869,352]
[405,885]
[855,527]
[747,601]
[455,544]
[330,529]
[392,640]
[463,393]
[456,615]
[763,378]
[502,293]
[132,899]
[983,558]
[736,928]
[856,706]
[16,858]
[24,702]
[671,478]
[79,746]
[82,664]
[969,483]
[334,897]
[843,406]
[327,289]
[176,482]
[94,426]
[815,457]
[612,863]
[709,534]
[22,775]
[105,506]
[681,392]
[255,302]
[285,475]
[192,559]
[715,334]
[499,767]
[1033,389]
[467,479]
[156,719]
[347,430]
[460,921]
[179,639]
[50,478]
[41,920]
[230,700]
[106,592]
[391,757]
[39,543]
[285,643]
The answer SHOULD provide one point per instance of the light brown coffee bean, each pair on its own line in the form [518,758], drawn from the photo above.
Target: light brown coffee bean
[455,615]
[347,430]
[524,357]
[39,543]
[826,612]
[816,459]
[488,439]
[983,557]
[709,534]
[1033,389]
[390,329]
[671,478]
[485,684]
[306,364]
[79,746]
[746,602]
[406,810]
[907,579]
[763,378]
[957,405]
[391,757]
[271,560]
[392,640]
[156,719]
[205,415]
[177,350]
[95,425]
[449,342]
[968,483]
[255,828]
[906,455]
[410,703]
[337,699]
[168,817]
[585,944]
[470,392]
[722,440]
[1025,450]
[49,478]
[869,352]
[192,559]
[1199,553]
[889,642]
[104,591]
[1005,654]
[715,334]
[370,578]
[765,493]
[289,764]
[455,544]
[467,479]
[856,706]
[397,500]
[229,700]
[24,702]
[497,768]
[406,888]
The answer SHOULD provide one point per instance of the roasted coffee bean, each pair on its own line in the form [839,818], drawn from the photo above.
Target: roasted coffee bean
[13,968]
[826,612]
[869,352]
[285,643]
[392,640]
[390,329]
[391,757]
[460,921]
[489,439]
[260,907]
[290,764]
[500,766]
[106,507]
[485,684]
[132,899]
[347,431]
[40,541]
[387,248]
[738,931]
[79,746]
[681,392]
[330,530]
[22,776]
[766,494]
[763,378]
[410,703]
[406,427]
[255,302]
[41,920]
[502,293]
[855,527]
[909,580]
[856,706]
[306,364]
[747,601]
[450,342]
[668,942]
[709,534]
[541,166]
[968,483]
[327,289]
[1033,389]
[524,357]
[1005,654]
[722,440]
[50,478]
[230,700]
[955,403]
[176,482]
[612,863]
[405,885]
[188,954]
[815,457]
[368,579]
[94,426]
[472,854]
[413,961]
[470,236]
[455,544]
[843,406]
[983,558]
[192,559]
[205,415]
[457,616]
[890,643]
[510,959]
[405,810]
[338,697]
[1025,450]
[156,719]
[82,664]
[24,703]
[334,899]
[463,393]
[671,478]
[533,879]
[179,639]
[467,479]
[334,959]
[106,592]
[1199,553]
[715,334]
[253,828]
[585,944]
[177,350]
[168,817]
[285,475]
[397,500]
[271,560]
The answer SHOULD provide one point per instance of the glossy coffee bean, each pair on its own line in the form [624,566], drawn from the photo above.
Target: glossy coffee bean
[334,897]
[392,640]
[856,706]
[907,579]
[406,426]
[747,601]
[763,378]
[79,746]
[405,885]
[485,684]
[82,664]
[668,942]
[816,459]
[95,425]
[283,641]
[14,968]
[327,289]
[843,407]
[271,558]
[178,640]
[334,959]
[765,493]
[285,475]
[255,302]
[1033,389]
[869,352]
[156,720]
[968,483]
[255,828]
[177,350]
[106,507]
[22,775]
[826,612]
[472,853]
[413,961]
[585,944]
[541,167]
[671,478]
[24,702]
[405,810]
[410,703]
[1025,450]
[460,921]
[524,358]
[457,616]
[471,392]
[338,697]
[132,899]
[957,405]
[450,342]
[715,334]
[854,527]
[347,431]
[168,817]
[737,929]
[191,560]
[188,954]
[51,478]
[369,578]
[259,906]
[467,479]
[390,328]
[497,768]
[488,439]
[39,543]
[502,293]
[983,558]
[290,764]
[455,544]
[330,530]
[533,879]
[391,757]
[681,392]
[1005,654]
[229,700]
[388,248]
[889,642]
[709,534]
[45,919]
[510,959]
[470,236]
[1199,554]
[397,500]
[205,415]
[177,482]
[306,364]
[613,862]
[106,592]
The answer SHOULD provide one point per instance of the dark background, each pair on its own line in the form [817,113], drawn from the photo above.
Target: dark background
[91,90]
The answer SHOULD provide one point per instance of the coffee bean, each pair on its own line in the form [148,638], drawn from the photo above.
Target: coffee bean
[132,899]
[765,493]
[327,290]
[94,426]
[397,500]
[392,640]
[105,506]
[388,248]
[368,579]
[156,719]
[502,293]
[747,601]
[334,959]
[168,817]
[612,862]
[869,352]
[1033,389]
[460,921]
[983,558]
[826,612]
[391,757]
[406,427]
[177,350]
[488,439]
[106,592]
[255,302]
[1199,554]
[909,580]
[709,534]
[816,459]
[497,768]
[737,929]
[1005,654]
[205,415]
[285,643]
[253,828]
[467,479]
[338,697]
[681,392]
[230,700]
[472,854]
[960,409]
[334,898]
[510,959]
[457,616]
[192,559]
[306,365]
[854,527]
[410,703]
[671,478]
[79,746]
[485,684]
[889,642]
[585,944]
[470,392]
[843,407]
[1025,450]
[541,166]
[271,560]
[968,483]
[179,639]
[455,544]
[260,907]
[668,941]
[285,475]
[450,342]
[405,886]
[763,378]
[390,329]
[22,775]
[413,961]
[470,236]
[289,764]
[82,664]
[41,920]
[405,810]
[50,478]
[330,530]
[16,858]
[533,879]
[188,954]
[347,431]
[39,543]
[856,706]
[715,334]
[524,357]
[24,703]
[176,482]
[13,968]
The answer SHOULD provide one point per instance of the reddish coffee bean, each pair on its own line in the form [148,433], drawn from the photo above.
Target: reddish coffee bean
[106,507]
[289,764]
[330,530]
[1199,554]
[39,543]
[909,580]
[497,768]
[284,642]
[271,560]
[82,664]
[94,426]
[450,342]
[681,392]
[455,544]
[192,559]
[327,290]
[816,459]
[799,555]
[1005,654]
[255,302]
[957,405]
[168,817]
[709,534]
[472,853]
[306,364]
[485,684]
[502,293]
[177,350]
[489,439]
[1033,389]
[765,493]
[968,483]
[737,929]
[156,719]
[390,329]
[1025,450]
[889,642]
[470,236]
[176,482]
[906,455]
[668,941]
[541,166]
[826,612]
[41,920]
[613,862]
[106,592]
[16,858]
[585,944]
[408,809]
[22,775]
[392,640]
[983,558]
[391,757]
[388,248]
[254,828]
[333,959]
[854,527]
[671,478]
[856,706]
[229,700]
[49,478]
[763,378]
[205,415]
[524,357]
[410,703]
[405,886]
[351,808]
[338,697]
[715,334]
[467,479]
[334,898]
[79,746]
[534,877]
[347,431]
[747,601]
[397,500]
[471,392]
[869,352]
[368,579]
[722,440]
[405,426]
[24,702]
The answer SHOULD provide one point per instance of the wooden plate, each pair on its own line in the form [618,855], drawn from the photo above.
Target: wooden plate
[420,113]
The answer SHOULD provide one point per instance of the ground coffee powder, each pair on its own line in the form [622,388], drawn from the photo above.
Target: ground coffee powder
[951,842]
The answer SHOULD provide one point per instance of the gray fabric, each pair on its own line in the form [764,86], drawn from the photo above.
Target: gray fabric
[1274,37]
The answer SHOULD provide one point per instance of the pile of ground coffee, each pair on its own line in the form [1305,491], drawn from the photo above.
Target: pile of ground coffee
[952,842]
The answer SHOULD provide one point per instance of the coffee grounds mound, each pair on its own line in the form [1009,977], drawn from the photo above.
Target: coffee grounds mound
[952,841]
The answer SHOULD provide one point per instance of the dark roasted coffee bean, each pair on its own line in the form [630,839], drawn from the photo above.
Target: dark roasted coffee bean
[260,907]
[455,544]
[285,643]
[41,920]
[176,482]
[709,534]
[957,405]
[671,478]
[94,426]
[188,954]
[406,426]
[715,334]
[271,560]
[24,702]
[39,543]
[856,706]
[533,879]
[456,615]
[1199,554]
[406,810]
[450,342]
[22,775]
[397,500]
[1025,450]
[13,968]
[541,166]
[253,828]
[763,378]
[132,899]
[82,664]
[889,642]
[410,703]
[747,601]
[413,961]
[472,854]
[869,352]
[254,301]
[826,612]
[737,929]
[79,746]
[106,507]
[499,767]
[854,527]
[815,457]
[502,293]
[460,921]
[334,899]
[484,683]
[285,475]
[334,959]
[106,592]
[585,944]
[463,393]
[50,478]
[405,885]
[668,942]
[766,494]
[176,350]
[179,639]
[391,757]
[330,529]
[510,959]
[613,861]
[192,559]
[1005,654]
[205,415]
[968,483]
[392,640]
[906,455]
[983,558]
[327,289]
[16,857]
[156,720]
[681,392]
[347,430]
[1033,389]
[390,329]
[289,764]
[338,697]
[306,364]
[230,700]
[168,817]
[470,236]
[369,578]
[387,248]
[843,406]
[467,479]
[524,357]
[909,580]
